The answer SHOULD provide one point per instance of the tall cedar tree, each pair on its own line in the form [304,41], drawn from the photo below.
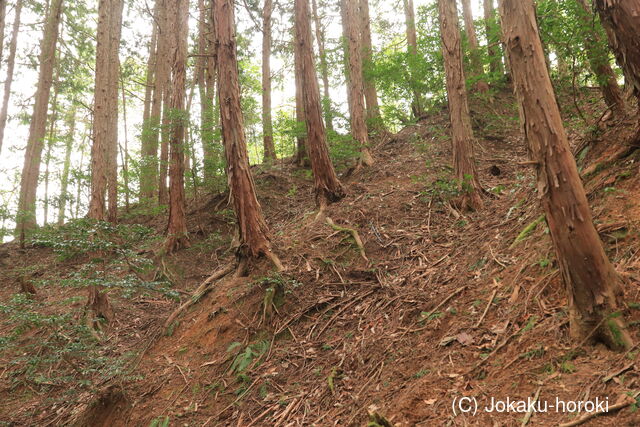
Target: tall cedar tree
[370,92]
[105,122]
[163,76]
[355,84]
[205,77]
[324,67]
[599,62]
[11,61]
[593,287]
[476,60]
[150,123]
[327,187]
[461,132]
[302,155]
[252,228]
[267,122]
[621,20]
[178,11]
[105,135]
[493,37]
[26,217]
[412,49]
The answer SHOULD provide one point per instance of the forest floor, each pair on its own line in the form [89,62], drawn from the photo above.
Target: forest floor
[440,305]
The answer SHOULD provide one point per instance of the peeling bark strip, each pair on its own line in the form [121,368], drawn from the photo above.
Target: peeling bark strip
[461,132]
[621,20]
[26,217]
[593,287]
[252,228]
[328,188]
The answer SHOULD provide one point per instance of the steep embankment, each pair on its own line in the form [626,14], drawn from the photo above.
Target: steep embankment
[440,304]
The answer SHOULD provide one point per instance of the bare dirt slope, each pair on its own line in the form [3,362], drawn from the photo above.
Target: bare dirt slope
[439,305]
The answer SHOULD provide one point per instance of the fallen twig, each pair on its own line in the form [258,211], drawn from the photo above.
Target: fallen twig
[528,415]
[583,419]
[493,295]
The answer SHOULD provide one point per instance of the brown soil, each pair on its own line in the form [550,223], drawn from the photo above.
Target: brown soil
[402,334]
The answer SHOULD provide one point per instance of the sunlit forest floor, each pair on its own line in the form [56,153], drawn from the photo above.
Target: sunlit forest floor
[440,304]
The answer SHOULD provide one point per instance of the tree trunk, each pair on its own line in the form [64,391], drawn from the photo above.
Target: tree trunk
[476,61]
[252,228]
[412,46]
[163,191]
[621,20]
[493,38]
[599,63]
[370,92]
[267,124]
[160,105]
[205,72]
[177,228]
[593,286]
[150,122]
[327,187]
[104,149]
[461,132]
[355,83]
[3,15]
[11,61]
[302,154]
[324,68]
[50,145]
[115,33]
[64,180]
[26,218]
[124,151]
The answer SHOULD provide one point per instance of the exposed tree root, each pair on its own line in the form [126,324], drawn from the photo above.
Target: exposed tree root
[201,291]
[624,151]
[175,242]
[353,233]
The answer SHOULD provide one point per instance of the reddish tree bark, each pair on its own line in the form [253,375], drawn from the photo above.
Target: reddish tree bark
[252,228]
[461,132]
[327,187]
[302,154]
[178,11]
[593,287]
[355,83]
[105,124]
